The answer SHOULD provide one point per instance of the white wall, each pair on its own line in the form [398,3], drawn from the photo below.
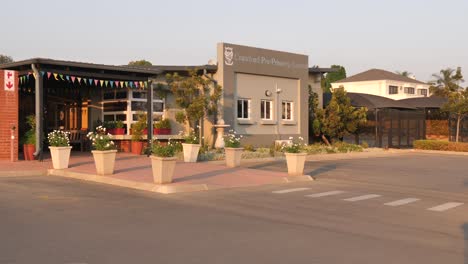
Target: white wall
[381,88]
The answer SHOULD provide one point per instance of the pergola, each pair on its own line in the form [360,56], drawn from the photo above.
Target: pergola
[96,76]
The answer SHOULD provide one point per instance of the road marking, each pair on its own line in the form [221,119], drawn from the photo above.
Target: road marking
[402,202]
[315,195]
[444,207]
[362,197]
[291,190]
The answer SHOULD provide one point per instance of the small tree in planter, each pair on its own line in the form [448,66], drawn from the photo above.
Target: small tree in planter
[29,139]
[59,145]
[163,161]
[137,134]
[295,156]
[104,151]
[190,146]
[119,128]
[233,149]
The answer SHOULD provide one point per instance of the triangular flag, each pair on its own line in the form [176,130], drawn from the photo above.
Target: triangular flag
[55,76]
[79,79]
[34,74]
[131,84]
[96,82]
[42,73]
[67,77]
[117,83]
[90,81]
[73,79]
[27,77]
[61,76]
[126,84]
[106,83]
[112,84]
[48,75]
[101,82]
[142,85]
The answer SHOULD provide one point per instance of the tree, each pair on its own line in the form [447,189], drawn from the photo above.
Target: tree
[339,118]
[5,59]
[196,94]
[140,63]
[404,73]
[457,107]
[339,73]
[446,82]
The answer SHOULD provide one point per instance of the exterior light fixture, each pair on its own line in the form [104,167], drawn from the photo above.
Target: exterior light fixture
[268,93]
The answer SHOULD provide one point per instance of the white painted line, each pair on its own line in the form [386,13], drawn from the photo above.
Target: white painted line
[315,195]
[402,202]
[444,207]
[291,190]
[362,197]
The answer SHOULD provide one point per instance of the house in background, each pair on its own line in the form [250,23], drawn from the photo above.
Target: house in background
[384,83]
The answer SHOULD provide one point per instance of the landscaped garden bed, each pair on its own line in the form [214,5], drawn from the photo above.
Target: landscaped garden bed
[440,145]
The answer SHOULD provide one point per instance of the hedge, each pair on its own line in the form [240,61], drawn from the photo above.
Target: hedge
[440,145]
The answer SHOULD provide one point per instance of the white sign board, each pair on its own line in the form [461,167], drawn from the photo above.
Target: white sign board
[9,81]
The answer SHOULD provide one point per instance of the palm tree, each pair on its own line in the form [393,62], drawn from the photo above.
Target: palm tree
[404,73]
[446,82]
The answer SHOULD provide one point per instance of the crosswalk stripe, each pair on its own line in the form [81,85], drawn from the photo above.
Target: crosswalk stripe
[315,195]
[444,207]
[362,197]
[402,202]
[291,190]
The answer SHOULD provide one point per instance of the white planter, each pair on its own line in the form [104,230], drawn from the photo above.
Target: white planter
[60,157]
[104,161]
[295,163]
[233,156]
[163,169]
[191,152]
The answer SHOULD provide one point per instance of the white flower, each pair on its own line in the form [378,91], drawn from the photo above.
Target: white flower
[291,138]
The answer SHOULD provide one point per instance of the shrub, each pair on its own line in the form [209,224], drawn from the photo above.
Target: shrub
[100,139]
[343,147]
[159,149]
[440,145]
[30,135]
[119,124]
[164,124]
[59,138]
[296,146]
[231,140]
[249,147]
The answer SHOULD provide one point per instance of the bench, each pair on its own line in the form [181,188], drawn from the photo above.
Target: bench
[78,137]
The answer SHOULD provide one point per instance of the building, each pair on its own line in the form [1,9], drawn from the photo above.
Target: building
[265,96]
[384,83]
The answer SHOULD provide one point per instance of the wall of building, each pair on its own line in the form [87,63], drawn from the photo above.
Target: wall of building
[8,118]
[248,72]
[381,88]
[314,81]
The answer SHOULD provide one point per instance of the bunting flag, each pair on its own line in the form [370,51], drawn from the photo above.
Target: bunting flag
[96,82]
[116,83]
[48,75]
[101,82]
[126,84]
[34,74]
[55,76]
[42,74]
[79,79]
[73,79]
[106,83]
[112,84]
[67,77]
[61,77]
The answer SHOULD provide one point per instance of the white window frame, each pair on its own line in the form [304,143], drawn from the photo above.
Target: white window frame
[408,88]
[284,109]
[390,87]
[420,92]
[264,108]
[242,110]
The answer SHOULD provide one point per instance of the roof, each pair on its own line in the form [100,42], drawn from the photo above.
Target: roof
[426,102]
[179,68]
[376,102]
[19,65]
[377,74]
[322,70]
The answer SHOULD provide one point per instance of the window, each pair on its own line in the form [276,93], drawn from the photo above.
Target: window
[392,89]
[409,90]
[266,109]
[422,92]
[287,110]
[243,108]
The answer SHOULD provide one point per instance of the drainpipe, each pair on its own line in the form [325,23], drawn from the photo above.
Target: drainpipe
[39,111]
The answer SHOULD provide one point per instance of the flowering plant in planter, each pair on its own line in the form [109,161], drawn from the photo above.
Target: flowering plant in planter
[59,138]
[231,140]
[190,137]
[100,139]
[296,146]
[163,150]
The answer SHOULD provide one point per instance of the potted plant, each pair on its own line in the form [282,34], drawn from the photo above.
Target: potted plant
[190,146]
[232,149]
[109,126]
[59,145]
[137,134]
[29,139]
[163,161]
[295,156]
[119,128]
[162,127]
[104,151]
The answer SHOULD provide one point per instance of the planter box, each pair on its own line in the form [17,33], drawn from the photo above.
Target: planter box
[28,151]
[137,147]
[233,156]
[60,157]
[295,162]
[161,131]
[163,169]
[104,161]
[118,131]
[191,152]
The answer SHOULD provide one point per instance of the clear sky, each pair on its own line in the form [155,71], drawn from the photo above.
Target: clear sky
[419,36]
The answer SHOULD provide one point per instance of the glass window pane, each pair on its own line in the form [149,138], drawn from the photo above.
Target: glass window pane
[239,108]
[158,107]
[262,109]
[268,109]
[121,95]
[115,106]
[246,109]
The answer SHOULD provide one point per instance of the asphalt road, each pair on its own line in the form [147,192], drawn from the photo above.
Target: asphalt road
[340,218]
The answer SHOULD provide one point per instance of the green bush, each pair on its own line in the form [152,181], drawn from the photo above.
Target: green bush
[30,135]
[440,145]
[164,150]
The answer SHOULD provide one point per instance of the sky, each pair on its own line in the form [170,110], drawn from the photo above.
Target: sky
[419,36]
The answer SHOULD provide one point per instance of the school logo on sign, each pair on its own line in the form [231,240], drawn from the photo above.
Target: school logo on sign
[228,56]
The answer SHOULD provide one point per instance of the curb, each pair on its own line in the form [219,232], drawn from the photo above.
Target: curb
[23,173]
[459,153]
